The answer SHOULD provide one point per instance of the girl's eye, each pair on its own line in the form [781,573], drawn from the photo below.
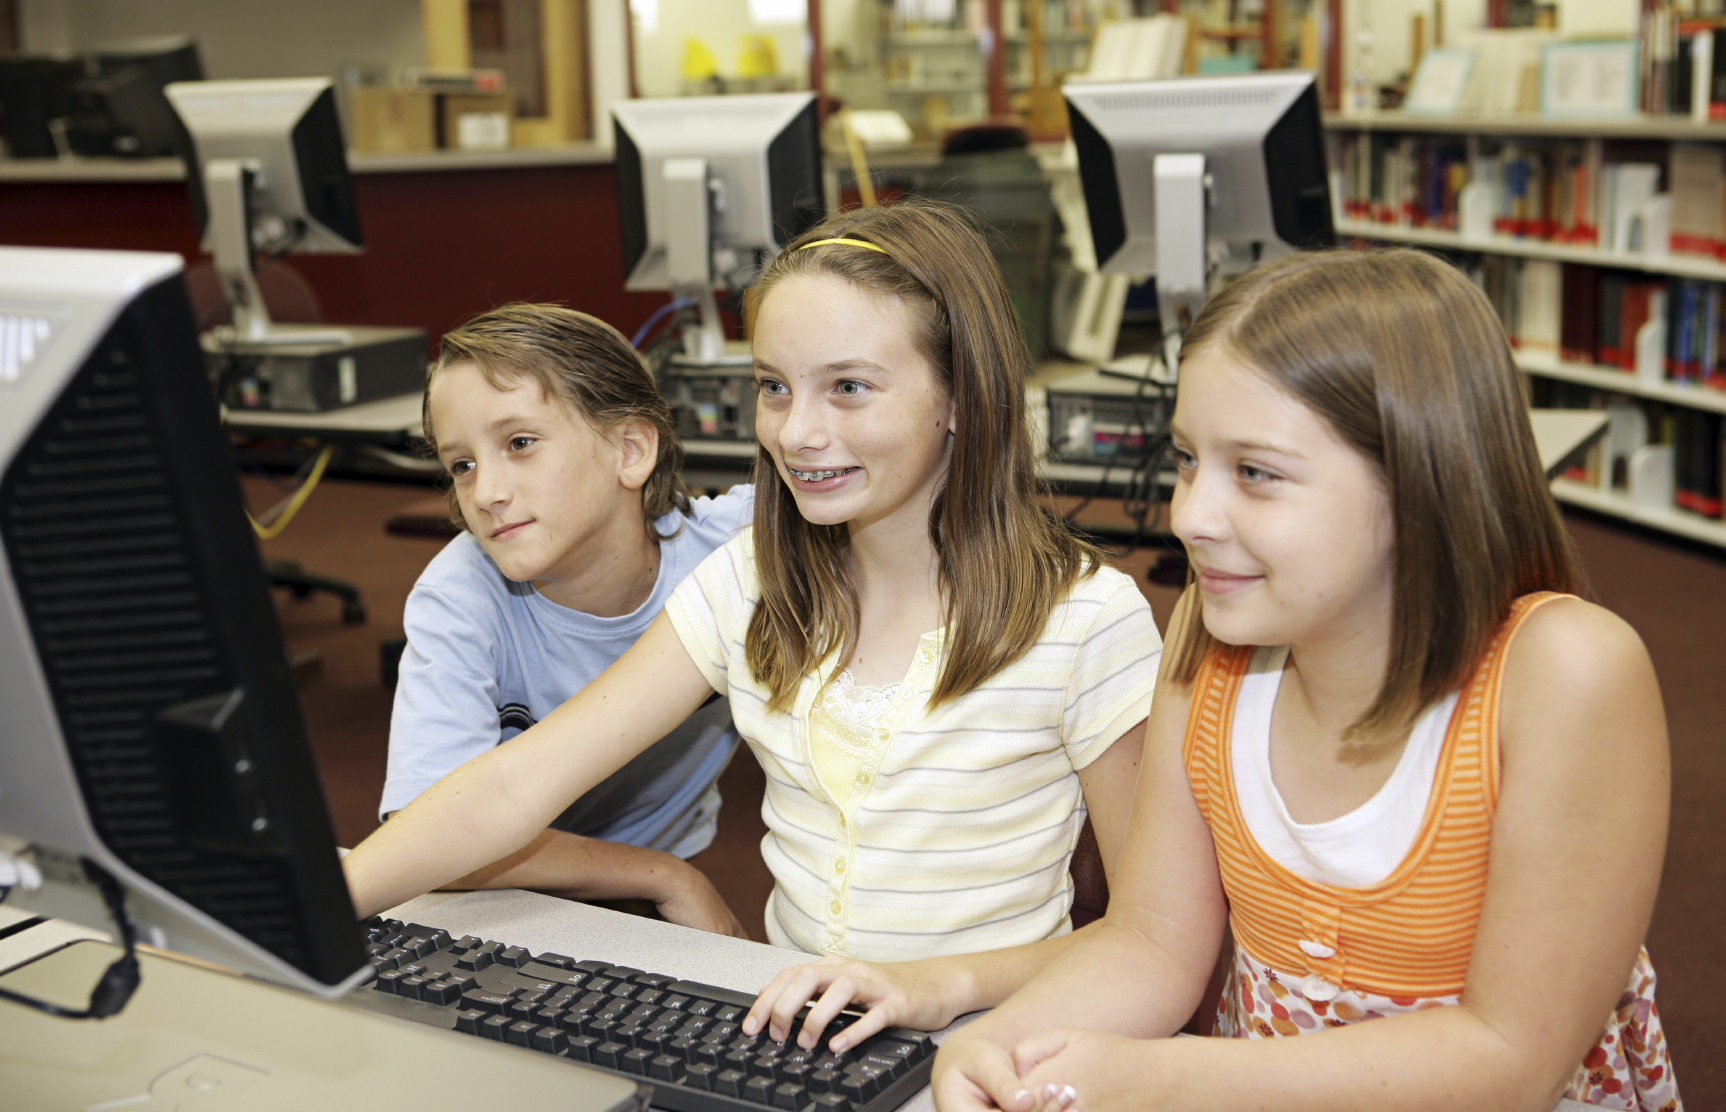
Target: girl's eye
[850,387]
[1251,474]
[461,467]
[518,443]
[1185,460]
[772,387]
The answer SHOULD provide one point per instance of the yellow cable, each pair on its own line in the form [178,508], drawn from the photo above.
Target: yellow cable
[274,529]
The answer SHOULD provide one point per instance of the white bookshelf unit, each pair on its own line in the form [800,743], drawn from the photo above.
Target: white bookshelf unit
[1668,129]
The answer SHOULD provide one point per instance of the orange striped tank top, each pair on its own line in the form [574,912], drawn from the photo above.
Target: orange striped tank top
[1412,933]
[1404,943]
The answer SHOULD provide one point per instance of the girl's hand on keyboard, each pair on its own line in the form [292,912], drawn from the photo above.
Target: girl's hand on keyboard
[973,1073]
[694,902]
[917,994]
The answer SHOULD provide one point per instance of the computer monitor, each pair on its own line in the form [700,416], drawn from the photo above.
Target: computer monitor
[267,170]
[152,728]
[1178,173]
[36,103]
[710,189]
[120,110]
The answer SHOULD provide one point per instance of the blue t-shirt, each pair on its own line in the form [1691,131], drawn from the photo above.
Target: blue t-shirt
[488,657]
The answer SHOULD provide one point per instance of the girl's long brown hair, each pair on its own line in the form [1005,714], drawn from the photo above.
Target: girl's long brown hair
[1003,560]
[1408,363]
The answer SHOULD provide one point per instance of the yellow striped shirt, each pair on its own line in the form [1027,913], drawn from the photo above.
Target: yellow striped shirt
[955,833]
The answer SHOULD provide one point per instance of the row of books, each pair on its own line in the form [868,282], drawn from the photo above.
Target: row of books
[1696,438]
[1663,328]
[1584,192]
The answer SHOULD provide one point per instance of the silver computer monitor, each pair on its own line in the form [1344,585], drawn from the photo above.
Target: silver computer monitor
[267,170]
[1182,172]
[711,188]
[152,731]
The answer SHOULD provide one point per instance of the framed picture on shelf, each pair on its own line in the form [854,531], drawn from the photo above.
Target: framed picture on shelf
[1439,83]
[1588,79]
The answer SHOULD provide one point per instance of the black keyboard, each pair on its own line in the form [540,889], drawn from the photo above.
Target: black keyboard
[683,1038]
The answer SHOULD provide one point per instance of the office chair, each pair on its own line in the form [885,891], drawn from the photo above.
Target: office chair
[290,299]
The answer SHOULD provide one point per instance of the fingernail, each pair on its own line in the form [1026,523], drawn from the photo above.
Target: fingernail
[839,1044]
[1022,1096]
[1068,1095]
[1051,1091]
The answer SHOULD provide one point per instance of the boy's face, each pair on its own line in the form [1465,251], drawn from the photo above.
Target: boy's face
[544,493]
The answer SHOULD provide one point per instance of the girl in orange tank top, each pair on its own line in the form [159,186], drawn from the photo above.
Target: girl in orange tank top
[1424,783]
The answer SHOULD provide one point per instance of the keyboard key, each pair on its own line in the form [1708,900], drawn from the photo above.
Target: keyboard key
[675,1003]
[764,1067]
[600,984]
[683,1048]
[542,971]
[624,990]
[622,972]
[520,1033]
[475,960]
[606,1054]
[729,1082]
[797,1072]
[467,1020]
[731,1013]
[652,980]
[591,966]
[709,1053]
[562,961]
[441,940]
[513,956]
[551,1017]
[597,1027]
[665,1067]
[824,1080]
[789,1096]
[387,979]
[913,1046]
[857,1087]
[465,943]
[759,1090]
[700,1075]
[393,957]
[649,995]
[635,1061]
[700,1007]
[494,1027]
[892,1066]
[581,1047]
[410,986]
[492,1002]
[440,992]
[738,1060]
[549,1040]
[831,1102]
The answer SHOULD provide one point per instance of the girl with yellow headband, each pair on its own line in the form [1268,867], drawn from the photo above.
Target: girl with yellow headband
[937,677]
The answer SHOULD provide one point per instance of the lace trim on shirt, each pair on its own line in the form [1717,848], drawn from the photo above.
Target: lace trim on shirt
[857,709]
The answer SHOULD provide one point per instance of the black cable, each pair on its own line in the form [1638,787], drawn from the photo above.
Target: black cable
[117,983]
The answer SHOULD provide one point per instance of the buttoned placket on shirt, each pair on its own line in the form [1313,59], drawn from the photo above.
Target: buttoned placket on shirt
[918,681]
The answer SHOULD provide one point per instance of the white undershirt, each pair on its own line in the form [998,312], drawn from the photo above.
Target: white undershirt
[1355,850]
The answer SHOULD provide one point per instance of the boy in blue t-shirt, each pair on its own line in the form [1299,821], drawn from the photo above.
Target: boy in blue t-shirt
[567,480]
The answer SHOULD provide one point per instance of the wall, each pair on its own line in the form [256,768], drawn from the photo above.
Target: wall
[440,247]
[243,38]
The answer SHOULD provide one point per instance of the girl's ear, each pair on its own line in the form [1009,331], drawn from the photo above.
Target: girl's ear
[637,452]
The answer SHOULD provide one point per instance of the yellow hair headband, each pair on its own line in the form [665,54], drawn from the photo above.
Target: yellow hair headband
[851,242]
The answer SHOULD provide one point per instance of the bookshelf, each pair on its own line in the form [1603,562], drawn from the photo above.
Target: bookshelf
[1423,182]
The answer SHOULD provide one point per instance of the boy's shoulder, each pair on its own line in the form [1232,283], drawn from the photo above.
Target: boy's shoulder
[711,522]
[461,569]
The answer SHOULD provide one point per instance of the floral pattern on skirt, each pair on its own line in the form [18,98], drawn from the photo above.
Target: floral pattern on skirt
[1630,1067]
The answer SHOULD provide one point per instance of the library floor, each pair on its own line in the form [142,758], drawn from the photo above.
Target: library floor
[1674,596]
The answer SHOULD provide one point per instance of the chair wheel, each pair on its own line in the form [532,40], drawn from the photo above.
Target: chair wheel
[353,612]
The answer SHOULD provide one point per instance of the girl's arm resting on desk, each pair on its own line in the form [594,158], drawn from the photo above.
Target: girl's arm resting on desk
[1575,861]
[499,802]
[931,993]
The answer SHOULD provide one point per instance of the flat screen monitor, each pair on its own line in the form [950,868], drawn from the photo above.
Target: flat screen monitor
[1191,178]
[761,173]
[152,728]
[121,111]
[267,169]
[1262,140]
[36,103]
